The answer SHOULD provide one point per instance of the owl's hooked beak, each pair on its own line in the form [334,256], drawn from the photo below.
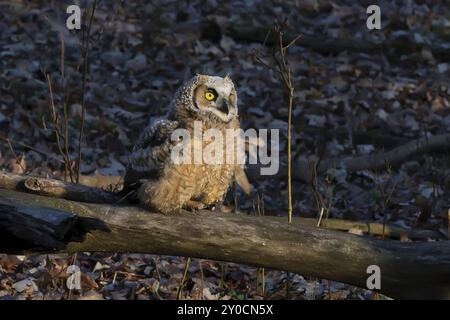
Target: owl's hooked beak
[224,106]
[227,106]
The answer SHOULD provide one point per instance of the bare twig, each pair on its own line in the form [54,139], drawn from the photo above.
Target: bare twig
[183,280]
[31,148]
[285,73]
[386,195]
[202,277]
[68,167]
[86,40]
[319,222]
[282,68]
[15,155]
[260,272]
[58,128]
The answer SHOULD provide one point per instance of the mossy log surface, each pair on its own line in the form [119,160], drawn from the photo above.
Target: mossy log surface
[32,223]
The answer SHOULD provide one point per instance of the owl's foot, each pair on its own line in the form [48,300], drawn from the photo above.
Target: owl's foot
[222,208]
[193,205]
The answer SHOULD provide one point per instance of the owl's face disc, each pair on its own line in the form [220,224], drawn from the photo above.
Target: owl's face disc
[216,95]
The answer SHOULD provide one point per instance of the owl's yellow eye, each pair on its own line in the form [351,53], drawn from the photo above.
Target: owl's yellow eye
[209,95]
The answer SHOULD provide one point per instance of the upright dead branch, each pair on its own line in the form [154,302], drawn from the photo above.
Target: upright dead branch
[282,68]
[58,128]
[67,162]
[285,73]
[16,158]
[85,53]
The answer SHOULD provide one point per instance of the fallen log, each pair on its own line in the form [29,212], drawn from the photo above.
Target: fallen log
[33,223]
[303,170]
[56,188]
[393,48]
[379,160]
[82,193]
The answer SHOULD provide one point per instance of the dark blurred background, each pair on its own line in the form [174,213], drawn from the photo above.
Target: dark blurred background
[356,91]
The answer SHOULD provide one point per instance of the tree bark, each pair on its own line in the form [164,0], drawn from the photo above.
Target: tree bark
[56,188]
[303,170]
[82,193]
[34,223]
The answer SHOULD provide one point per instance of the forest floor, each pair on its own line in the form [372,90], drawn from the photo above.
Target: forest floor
[347,102]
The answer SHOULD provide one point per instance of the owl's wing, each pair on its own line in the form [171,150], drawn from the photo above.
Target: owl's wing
[150,152]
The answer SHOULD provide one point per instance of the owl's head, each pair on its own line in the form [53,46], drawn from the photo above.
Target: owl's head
[211,95]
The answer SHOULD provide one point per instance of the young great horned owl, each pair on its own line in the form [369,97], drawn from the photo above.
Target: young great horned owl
[167,187]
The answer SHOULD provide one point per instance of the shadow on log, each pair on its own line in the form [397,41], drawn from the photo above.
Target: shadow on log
[43,224]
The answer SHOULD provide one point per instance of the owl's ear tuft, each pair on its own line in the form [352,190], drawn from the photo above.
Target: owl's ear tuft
[200,77]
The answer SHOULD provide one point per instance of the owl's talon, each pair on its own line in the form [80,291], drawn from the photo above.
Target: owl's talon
[225,208]
[192,205]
